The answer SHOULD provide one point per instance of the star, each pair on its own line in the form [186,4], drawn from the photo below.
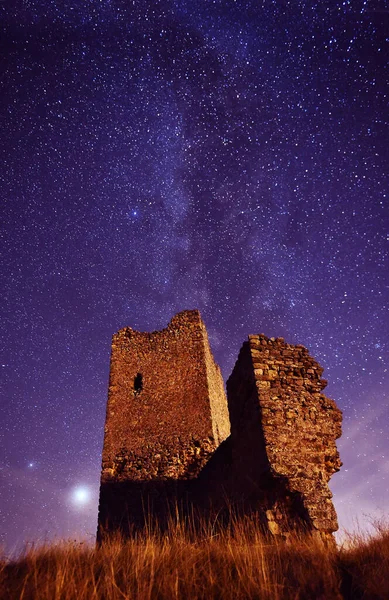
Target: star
[80,496]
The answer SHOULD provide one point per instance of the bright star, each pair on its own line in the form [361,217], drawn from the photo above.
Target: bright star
[80,495]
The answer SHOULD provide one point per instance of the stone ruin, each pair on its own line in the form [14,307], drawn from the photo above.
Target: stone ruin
[172,438]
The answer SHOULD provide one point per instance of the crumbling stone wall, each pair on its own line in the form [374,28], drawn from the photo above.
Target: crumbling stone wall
[283,433]
[170,436]
[166,414]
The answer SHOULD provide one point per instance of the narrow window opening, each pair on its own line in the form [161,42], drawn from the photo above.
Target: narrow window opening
[138,383]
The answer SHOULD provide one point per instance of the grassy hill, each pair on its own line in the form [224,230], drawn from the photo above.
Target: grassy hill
[229,563]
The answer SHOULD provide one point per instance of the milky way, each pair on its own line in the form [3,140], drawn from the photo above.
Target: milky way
[157,156]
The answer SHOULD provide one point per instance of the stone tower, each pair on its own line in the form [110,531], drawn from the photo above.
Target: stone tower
[283,432]
[166,415]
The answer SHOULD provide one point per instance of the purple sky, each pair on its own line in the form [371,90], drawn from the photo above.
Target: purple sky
[224,155]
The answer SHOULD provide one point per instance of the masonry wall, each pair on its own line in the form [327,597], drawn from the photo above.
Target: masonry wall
[166,414]
[284,430]
[172,440]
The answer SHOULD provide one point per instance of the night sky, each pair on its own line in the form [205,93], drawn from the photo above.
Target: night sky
[157,156]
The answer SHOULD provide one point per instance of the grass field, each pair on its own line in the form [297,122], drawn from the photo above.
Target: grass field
[230,564]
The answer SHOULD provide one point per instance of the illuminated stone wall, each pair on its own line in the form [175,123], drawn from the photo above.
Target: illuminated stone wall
[283,431]
[167,433]
[166,414]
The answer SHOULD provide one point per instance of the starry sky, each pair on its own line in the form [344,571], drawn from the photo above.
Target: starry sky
[226,155]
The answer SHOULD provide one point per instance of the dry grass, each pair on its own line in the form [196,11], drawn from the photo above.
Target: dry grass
[364,564]
[230,564]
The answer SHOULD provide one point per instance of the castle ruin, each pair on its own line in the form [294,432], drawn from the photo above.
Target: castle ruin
[173,437]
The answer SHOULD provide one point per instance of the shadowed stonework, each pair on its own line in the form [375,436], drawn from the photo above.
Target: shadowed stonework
[167,435]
